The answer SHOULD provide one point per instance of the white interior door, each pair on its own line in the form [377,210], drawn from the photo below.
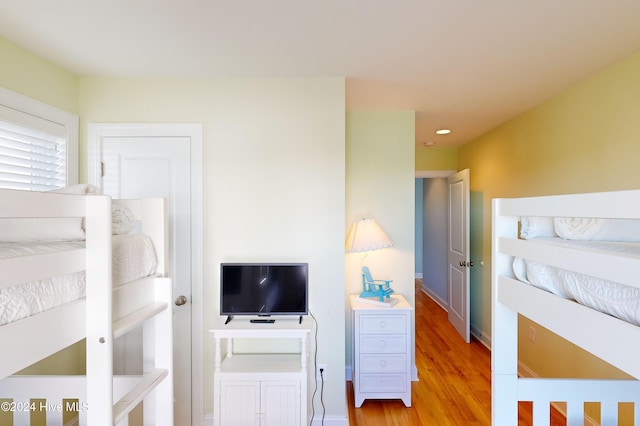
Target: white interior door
[145,161]
[458,256]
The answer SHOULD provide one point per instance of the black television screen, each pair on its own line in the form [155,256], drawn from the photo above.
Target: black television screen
[263,289]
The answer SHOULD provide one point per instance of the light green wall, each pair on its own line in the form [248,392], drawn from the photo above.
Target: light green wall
[23,72]
[380,184]
[584,140]
[274,179]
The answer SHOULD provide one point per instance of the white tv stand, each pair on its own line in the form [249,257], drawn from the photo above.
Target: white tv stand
[251,389]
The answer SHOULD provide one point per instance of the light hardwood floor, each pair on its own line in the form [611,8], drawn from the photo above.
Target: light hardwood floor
[455,380]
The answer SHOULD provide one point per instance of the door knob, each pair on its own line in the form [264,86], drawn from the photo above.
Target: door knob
[180,300]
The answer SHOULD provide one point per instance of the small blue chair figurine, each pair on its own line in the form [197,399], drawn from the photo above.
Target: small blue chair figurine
[374,288]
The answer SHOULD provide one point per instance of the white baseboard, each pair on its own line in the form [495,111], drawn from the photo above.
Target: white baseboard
[330,421]
[317,420]
[442,303]
[482,338]
[525,371]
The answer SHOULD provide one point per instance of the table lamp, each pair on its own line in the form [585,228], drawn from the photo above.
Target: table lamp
[364,236]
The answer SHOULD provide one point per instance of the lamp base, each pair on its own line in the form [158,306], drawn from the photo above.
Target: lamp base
[388,302]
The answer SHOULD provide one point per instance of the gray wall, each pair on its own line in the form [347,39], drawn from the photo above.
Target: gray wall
[419,218]
[434,261]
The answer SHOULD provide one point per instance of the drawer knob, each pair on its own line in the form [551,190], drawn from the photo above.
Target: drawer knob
[383,363]
[383,324]
[383,343]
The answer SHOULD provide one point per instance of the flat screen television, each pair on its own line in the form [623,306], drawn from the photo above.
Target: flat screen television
[264,289]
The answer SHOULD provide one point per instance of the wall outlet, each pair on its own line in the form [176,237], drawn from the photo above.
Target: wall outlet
[532,334]
[324,372]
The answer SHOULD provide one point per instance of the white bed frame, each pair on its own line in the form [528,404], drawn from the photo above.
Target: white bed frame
[606,337]
[104,315]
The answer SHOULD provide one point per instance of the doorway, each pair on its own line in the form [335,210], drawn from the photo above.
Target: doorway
[442,242]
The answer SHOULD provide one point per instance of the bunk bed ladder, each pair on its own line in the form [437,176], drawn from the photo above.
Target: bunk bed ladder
[155,386]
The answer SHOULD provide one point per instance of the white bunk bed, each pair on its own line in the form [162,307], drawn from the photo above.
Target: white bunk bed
[611,339]
[107,311]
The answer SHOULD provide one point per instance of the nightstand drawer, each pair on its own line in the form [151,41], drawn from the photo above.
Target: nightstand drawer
[383,363]
[382,343]
[383,383]
[383,324]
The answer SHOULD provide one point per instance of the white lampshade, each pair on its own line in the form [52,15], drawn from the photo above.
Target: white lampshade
[366,235]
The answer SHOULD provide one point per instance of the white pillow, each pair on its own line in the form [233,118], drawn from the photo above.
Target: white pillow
[520,269]
[36,229]
[579,228]
[121,219]
[536,226]
[81,188]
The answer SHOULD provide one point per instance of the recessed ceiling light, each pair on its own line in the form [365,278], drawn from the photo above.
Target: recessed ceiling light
[443,132]
[429,143]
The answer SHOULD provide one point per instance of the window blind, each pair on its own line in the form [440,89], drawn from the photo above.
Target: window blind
[32,152]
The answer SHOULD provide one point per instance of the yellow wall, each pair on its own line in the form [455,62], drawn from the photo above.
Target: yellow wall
[380,184]
[436,158]
[23,72]
[584,140]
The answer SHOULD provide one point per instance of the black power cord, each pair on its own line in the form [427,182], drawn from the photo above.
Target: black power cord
[322,393]
[315,368]
[315,377]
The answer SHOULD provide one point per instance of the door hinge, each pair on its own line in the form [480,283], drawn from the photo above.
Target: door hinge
[102,169]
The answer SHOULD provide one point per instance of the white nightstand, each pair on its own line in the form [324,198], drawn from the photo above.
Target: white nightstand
[381,350]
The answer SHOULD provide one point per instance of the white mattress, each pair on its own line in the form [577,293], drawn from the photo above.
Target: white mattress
[612,298]
[133,258]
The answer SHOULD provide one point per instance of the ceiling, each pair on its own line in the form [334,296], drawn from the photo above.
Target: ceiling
[468,65]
